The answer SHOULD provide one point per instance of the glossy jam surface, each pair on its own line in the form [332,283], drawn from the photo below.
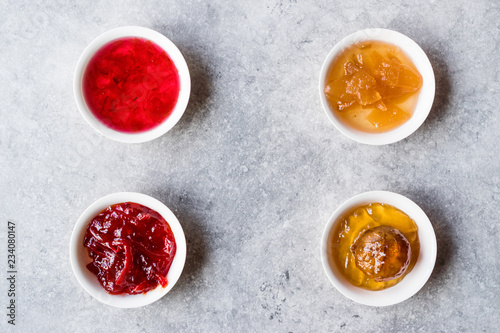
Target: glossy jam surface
[382,253]
[132,248]
[373,86]
[131,85]
[368,248]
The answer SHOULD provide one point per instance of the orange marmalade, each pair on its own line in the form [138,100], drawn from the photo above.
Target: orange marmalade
[358,223]
[373,86]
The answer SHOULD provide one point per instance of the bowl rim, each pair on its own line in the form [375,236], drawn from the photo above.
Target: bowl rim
[79,256]
[413,281]
[173,52]
[425,100]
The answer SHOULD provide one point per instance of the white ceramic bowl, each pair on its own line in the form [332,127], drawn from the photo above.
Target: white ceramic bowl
[413,281]
[79,255]
[425,100]
[174,54]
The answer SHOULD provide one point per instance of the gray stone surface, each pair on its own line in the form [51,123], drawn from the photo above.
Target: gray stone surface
[254,168]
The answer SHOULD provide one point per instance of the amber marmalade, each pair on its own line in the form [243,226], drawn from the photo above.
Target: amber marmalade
[365,240]
[373,86]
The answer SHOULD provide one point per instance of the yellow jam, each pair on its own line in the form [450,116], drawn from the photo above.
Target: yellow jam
[355,223]
[373,86]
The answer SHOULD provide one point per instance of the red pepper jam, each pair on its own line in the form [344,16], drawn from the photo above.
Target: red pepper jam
[131,85]
[132,248]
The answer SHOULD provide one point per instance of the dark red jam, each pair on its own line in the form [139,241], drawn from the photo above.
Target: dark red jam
[132,248]
[131,85]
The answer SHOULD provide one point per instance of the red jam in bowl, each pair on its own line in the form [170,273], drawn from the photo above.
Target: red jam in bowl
[132,248]
[131,85]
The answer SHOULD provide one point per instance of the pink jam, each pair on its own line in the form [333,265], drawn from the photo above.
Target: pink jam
[131,85]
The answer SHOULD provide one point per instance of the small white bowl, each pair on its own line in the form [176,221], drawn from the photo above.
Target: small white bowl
[425,100]
[174,54]
[413,281]
[79,254]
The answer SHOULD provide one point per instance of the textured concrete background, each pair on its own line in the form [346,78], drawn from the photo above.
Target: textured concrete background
[254,168]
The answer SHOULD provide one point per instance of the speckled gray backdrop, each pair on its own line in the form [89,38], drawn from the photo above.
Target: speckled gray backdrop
[254,169]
